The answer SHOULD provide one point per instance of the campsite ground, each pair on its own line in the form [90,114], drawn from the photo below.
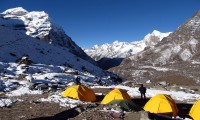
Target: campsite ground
[30,108]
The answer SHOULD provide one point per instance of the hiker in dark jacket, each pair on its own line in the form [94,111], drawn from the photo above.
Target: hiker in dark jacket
[78,80]
[142,90]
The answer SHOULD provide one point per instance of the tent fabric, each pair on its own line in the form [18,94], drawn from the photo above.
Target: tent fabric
[126,105]
[195,111]
[79,92]
[161,104]
[116,94]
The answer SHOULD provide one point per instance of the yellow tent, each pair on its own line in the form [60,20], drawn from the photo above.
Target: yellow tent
[161,104]
[115,94]
[79,92]
[195,111]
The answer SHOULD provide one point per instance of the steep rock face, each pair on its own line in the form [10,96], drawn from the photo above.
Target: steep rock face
[182,45]
[176,55]
[110,55]
[39,25]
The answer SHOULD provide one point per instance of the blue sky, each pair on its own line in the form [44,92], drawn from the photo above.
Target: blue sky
[90,22]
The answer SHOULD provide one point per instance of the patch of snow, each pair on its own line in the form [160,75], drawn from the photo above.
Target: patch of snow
[195,62]
[165,56]
[98,93]
[193,43]
[176,49]
[23,91]
[185,55]
[179,118]
[57,98]
[148,81]
[158,68]
[110,110]
[6,102]
[138,72]
[157,50]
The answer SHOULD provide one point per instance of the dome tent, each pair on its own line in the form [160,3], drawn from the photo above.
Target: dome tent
[79,92]
[162,104]
[116,94]
[195,111]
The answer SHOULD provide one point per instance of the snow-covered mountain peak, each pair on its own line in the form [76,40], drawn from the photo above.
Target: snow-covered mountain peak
[16,11]
[125,49]
[115,50]
[38,24]
[156,32]
[153,38]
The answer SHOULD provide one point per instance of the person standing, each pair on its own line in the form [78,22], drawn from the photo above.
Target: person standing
[100,81]
[142,90]
[78,80]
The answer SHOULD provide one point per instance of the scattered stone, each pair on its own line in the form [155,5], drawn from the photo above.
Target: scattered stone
[79,109]
[148,81]
[2,86]
[24,60]
[41,86]
[144,115]
[162,83]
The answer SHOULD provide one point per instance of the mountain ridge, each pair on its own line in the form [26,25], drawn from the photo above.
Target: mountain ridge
[177,55]
[125,49]
[111,55]
[39,25]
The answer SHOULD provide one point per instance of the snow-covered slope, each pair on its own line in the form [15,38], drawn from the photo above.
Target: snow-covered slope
[39,25]
[125,49]
[15,44]
[153,38]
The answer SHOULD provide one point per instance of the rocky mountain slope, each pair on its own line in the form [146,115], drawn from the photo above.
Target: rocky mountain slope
[174,59]
[39,25]
[115,52]
[16,45]
[27,54]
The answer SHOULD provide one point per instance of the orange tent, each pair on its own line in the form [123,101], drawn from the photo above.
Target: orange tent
[161,104]
[115,94]
[79,92]
[195,111]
